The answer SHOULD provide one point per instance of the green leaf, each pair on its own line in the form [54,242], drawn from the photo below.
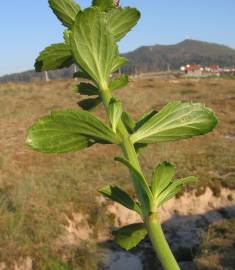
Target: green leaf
[68,130]
[93,46]
[139,147]
[128,122]
[141,186]
[114,113]
[145,118]
[67,34]
[162,177]
[81,75]
[122,20]
[118,63]
[90,103]
[130,236]
[54,57]
[87,89]
[173,188]
[120,196]
[176,121]
[65,10]
[53,135]
[119,82]
[104,5]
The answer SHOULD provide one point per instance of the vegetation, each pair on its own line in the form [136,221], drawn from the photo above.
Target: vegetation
[41,186]
[218,251]
[90,41]
[158,57]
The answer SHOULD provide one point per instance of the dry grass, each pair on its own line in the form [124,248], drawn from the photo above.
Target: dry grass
[218,252]
[36,189]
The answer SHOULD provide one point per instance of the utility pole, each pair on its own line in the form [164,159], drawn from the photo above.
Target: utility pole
[168,68]
[75,69]
[46,76]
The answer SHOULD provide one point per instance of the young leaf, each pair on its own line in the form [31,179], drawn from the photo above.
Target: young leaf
[145,118]
[121,21]
[119,82]
[104,5]
[140,184]
[93,46]
[67,34]
[90,103]
[65,10]
[173,188]
[176,121]
[128,122]
[118,63]
[130,236]
[65,131]
[162,177]
[120,196]
[87,89]
[114,113]
[54,57]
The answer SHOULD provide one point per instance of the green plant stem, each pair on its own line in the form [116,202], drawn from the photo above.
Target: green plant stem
[152,222]
[159,243]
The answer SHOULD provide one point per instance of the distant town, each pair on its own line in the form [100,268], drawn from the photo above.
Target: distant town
[207,71]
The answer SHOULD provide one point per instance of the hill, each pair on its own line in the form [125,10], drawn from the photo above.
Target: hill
[159,57]
[153,58]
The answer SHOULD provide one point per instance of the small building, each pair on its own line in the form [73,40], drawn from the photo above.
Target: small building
[192,70]
[213,70]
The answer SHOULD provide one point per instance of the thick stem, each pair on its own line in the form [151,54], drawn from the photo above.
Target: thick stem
[152,223]
[160,244]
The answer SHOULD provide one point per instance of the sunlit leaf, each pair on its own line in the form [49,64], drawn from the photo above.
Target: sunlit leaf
[104,5]
[162,177]
[120,196]
[54,57]
[67,34]
[114,113]
[119,82]
[118,63]
[130,236]
[176,121]
[93,46]
[53,135]
[68,130]
[121,21]
[145,118]
[128,122]
[173,188]
[65,10]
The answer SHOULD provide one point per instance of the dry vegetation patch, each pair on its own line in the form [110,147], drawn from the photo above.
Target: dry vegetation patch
[37,191]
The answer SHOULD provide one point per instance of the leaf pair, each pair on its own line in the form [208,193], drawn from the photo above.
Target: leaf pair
[69,130]
[115,108]
[163,187]
[141,187]
[129,236]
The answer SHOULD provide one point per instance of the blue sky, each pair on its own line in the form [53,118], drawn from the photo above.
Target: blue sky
[27,26]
